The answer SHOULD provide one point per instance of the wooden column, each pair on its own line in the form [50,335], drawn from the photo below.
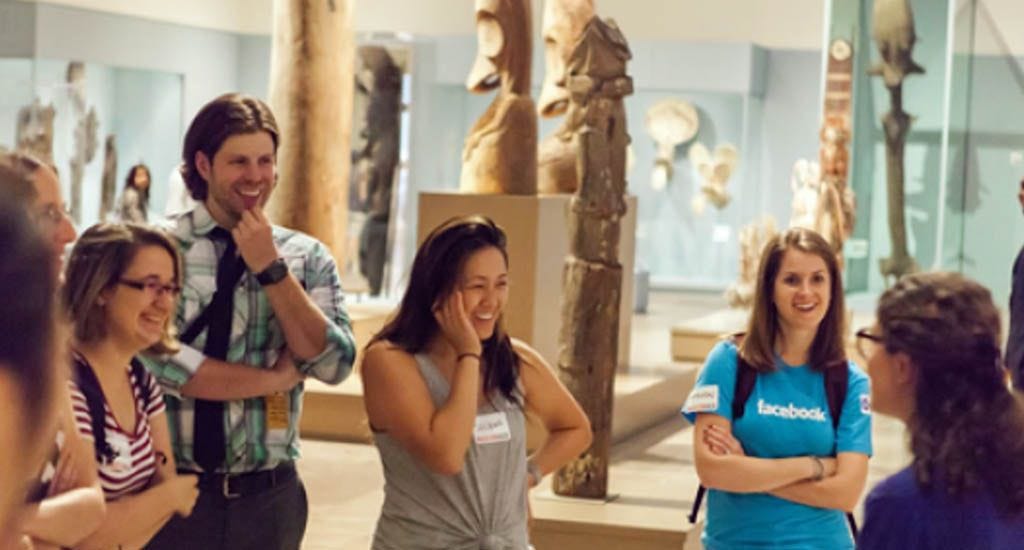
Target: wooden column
[592,279]
[311,75]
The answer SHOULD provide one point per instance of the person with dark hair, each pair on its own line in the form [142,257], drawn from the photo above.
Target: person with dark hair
[934,361]
[134,204]
[28,374]
[445,390]
[782,468]
[1015,340]
[122,285]
[261,308]
[65,502]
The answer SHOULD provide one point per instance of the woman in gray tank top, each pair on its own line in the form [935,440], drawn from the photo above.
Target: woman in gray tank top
[445,391]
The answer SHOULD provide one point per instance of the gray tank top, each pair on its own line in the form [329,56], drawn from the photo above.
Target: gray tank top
[483,507]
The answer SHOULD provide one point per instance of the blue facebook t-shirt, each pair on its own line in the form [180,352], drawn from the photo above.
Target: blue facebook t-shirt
[786,415]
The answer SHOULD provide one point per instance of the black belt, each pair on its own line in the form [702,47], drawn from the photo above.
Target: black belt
[232,486]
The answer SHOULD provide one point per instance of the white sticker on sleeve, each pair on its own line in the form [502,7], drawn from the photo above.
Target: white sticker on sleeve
[702,399]
[865,403]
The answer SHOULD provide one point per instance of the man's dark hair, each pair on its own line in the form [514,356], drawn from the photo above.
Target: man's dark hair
[226,116]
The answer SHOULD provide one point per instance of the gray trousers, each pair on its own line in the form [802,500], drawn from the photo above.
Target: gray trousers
[274,519]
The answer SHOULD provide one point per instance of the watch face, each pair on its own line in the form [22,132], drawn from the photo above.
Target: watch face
[273,273]
[840,50]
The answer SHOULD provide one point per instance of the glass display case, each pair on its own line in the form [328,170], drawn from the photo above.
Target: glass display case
[137,111]
[963,158]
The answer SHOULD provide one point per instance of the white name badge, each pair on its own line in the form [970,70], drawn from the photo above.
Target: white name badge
[122,451]
[491,428]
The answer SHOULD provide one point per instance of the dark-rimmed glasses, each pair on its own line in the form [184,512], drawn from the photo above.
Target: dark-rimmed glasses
[867,342]
[152,287]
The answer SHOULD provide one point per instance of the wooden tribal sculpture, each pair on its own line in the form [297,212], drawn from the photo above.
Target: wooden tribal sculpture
[500,153]
[592,278]
[563,23]
[893,31]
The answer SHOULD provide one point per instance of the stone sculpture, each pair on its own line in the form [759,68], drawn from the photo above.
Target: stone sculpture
[563,23]
[34,133]
[592,278]
[109,187]
[752,239]
[714,171]
[671,122]
[311,91]
[500,153]
[379,80]
[893,31]
[86,136]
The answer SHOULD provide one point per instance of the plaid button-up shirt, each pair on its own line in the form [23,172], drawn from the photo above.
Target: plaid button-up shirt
[256,340]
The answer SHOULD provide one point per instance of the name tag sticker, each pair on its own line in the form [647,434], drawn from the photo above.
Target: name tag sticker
[702,399]
[278,411]
[491,428]
[122,451]
[865,403]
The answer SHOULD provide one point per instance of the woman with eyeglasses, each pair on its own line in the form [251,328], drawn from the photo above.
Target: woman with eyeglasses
[934,361]
[782,468]
[121,292]
[64,502]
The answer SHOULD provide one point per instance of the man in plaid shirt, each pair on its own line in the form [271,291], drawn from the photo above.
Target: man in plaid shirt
[280,318]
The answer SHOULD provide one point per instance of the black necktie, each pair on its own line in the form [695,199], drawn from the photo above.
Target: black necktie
[208,439]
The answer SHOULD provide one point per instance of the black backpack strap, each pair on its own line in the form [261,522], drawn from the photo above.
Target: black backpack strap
[837,380]
[89,385]
[139,374]
[746,377]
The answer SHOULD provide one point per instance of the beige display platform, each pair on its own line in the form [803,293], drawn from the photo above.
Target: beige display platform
[538,242]
[336,412]
[694,338]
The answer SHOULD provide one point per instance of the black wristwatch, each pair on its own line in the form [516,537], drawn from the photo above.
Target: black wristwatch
[274,273]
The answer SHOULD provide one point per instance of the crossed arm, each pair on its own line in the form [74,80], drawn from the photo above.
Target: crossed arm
[722,464]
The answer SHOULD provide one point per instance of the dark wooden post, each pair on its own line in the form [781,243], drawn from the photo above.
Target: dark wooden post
[592,279]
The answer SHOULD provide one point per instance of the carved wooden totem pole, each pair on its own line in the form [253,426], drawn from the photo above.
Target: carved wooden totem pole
[311,91]
[837,204]
[893,31]
[86,139]
[380,80]
[34,133]
[108,190]
[592,279]
[556,159]
[500,154]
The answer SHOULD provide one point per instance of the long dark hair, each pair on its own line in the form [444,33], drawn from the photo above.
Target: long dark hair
[435,272]
[966,425]
[758,347]
[129,181]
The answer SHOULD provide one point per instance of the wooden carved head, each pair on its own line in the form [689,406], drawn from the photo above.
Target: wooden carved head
[503,47]
[563,24]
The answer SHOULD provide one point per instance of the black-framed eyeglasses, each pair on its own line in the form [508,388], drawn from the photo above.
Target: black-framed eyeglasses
[153,287]
[867,342]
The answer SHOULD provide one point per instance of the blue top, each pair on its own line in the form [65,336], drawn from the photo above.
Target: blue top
[785,416]
[900,513]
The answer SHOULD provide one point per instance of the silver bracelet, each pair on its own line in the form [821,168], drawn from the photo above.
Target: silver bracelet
[819,469]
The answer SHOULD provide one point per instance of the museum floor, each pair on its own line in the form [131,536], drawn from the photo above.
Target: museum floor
[652,470]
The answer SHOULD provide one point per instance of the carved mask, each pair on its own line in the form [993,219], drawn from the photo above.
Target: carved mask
[503,46]
[563,23]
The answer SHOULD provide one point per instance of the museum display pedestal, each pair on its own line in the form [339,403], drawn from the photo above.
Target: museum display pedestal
[538,242]
[336,412]
[694,338]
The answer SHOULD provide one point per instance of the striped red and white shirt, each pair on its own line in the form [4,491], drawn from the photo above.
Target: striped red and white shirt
[134,464]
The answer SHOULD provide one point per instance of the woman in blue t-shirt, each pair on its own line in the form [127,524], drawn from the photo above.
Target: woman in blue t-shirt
[935,364]
[782,474]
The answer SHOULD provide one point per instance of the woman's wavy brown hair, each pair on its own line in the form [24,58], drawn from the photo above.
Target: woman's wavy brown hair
[758,345]
[967,427]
